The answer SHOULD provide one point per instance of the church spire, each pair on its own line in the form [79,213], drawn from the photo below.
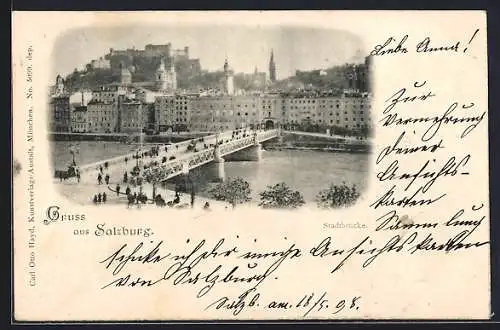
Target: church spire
[272,67]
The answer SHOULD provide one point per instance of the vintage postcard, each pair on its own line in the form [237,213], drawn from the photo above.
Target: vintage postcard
[250,165]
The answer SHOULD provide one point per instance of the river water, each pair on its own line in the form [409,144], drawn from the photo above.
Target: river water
[306,171]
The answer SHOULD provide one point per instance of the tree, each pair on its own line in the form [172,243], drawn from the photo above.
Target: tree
[281,196]
[337,196]
[234,191]
[153,176]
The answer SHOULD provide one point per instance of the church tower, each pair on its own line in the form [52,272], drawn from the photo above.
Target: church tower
[125,75]
[161,76]
[228,79]
[59,85]
[166,79]
[272,68]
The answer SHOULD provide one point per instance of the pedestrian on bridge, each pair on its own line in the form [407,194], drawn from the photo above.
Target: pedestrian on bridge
[125,177]
[117,190]
[106,178]
[99,197]
[104,197]
[99,178]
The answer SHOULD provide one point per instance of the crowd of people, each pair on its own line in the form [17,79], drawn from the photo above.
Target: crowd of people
[133,178]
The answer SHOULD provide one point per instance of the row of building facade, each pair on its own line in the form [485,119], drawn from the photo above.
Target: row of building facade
[118,109]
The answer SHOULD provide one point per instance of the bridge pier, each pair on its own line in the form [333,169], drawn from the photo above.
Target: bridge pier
[216,170]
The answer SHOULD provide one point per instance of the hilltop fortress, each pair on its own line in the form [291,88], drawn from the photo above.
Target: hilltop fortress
[141,65]
[135,59]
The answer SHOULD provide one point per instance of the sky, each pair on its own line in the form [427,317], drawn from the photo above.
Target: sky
[295,48]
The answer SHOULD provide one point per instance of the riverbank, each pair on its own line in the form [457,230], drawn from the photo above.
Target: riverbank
[319,143]
[345,148]
[125,138]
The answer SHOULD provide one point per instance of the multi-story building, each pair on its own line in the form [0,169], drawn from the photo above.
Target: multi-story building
[79,122]
[351,112]
[145,95]
[81,97]
[164,108]
[223,112]
[133,118]
[60,113]
[102,117]
[182,112]
[226,112]
[109,93]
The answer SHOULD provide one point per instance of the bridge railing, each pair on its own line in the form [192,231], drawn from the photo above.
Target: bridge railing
[191,160]
[235,145]
[179,146]
[265,135]
[181,165]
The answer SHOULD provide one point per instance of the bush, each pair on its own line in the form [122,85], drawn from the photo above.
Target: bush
[337,196]
[281,196]
[234,191]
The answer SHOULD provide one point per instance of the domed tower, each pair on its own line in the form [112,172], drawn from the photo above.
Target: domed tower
[161,76]
[272,68]
[228,79]
[125,75]
[59,85]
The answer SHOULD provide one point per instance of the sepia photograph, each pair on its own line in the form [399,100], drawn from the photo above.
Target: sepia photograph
[195,116]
